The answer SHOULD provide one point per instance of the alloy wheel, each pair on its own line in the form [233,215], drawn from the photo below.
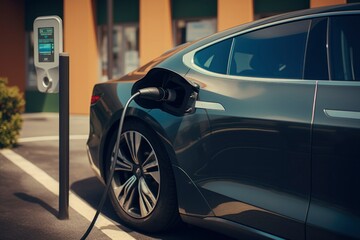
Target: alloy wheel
[136,181]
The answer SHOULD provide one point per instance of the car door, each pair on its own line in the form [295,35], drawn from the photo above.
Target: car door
[260,111]
[334,210]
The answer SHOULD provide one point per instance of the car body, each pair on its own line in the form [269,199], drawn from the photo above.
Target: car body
[263,139]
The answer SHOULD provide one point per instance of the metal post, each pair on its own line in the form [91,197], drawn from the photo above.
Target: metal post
[64,136]
[110,23]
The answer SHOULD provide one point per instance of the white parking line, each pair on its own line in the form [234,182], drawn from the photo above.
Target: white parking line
[79,205]
[50,138]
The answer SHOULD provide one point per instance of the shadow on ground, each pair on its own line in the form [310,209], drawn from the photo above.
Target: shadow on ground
[91,190]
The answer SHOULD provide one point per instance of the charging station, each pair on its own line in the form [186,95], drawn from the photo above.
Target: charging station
[52,73]
[48,44]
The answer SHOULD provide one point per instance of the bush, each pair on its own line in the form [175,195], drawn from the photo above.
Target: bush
[11,106]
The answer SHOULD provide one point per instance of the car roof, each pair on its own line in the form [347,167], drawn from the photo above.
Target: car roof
[276,18]
[177,53]
[310,11]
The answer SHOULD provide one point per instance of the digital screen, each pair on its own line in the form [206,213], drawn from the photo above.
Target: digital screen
[46,44]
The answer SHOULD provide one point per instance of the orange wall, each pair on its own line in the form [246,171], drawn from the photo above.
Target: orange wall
[12,42]
[320,3]
[80,43]
[155,29]
[234,12]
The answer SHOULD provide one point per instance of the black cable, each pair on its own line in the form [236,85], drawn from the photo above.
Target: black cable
[151,93]
[112,168]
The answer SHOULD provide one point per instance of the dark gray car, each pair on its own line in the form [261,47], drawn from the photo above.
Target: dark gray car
[261,137]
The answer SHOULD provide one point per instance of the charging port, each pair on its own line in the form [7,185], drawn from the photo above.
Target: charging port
[186,92]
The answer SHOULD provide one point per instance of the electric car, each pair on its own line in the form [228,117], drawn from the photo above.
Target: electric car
[253,131]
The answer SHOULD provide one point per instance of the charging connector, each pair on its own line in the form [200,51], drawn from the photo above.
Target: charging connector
[158,94]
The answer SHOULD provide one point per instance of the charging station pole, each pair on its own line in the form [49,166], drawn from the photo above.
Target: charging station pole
[64,136]
[52,74]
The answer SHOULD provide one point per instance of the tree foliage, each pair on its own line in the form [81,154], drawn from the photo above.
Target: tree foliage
[12,105]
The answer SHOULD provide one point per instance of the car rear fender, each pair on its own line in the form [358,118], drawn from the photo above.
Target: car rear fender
[134,113]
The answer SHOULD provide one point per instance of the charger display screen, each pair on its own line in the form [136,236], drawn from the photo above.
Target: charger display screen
[46,44]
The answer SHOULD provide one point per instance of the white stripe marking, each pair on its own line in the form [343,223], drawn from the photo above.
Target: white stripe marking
[103,224]
[50,138]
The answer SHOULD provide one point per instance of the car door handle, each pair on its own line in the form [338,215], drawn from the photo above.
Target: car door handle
[342,114]
[209,105]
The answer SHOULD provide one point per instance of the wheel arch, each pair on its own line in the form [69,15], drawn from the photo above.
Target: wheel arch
[135,114]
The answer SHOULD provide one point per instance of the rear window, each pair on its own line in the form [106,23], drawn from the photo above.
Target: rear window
[215,57]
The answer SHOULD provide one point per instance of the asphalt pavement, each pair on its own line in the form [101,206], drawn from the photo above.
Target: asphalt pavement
[28,209]
[29,201]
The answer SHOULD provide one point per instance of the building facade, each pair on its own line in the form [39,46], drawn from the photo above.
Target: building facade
[142,30]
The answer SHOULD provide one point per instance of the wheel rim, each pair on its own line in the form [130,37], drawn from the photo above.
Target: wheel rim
[136,182]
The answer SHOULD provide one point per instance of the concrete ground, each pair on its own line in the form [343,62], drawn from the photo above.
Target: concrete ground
[29,210]
[29,175]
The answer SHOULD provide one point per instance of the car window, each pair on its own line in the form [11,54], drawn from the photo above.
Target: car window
[215,57]
[345,48]
[316,64]
[273,52]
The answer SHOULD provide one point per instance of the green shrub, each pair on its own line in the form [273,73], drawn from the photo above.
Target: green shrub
[11,106]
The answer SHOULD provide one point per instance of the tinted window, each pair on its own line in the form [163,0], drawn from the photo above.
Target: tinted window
[316,65]
[345,48]
[215,57]
[273,52]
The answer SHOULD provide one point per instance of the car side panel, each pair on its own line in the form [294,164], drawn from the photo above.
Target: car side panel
[258,170]
[334,210]
[186,141]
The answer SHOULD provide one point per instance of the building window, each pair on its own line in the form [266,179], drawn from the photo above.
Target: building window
[192,21]
[125,36]
[31,72]
[125,49]
[191,30]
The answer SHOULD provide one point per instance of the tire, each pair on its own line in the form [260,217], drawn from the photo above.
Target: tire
[142,191]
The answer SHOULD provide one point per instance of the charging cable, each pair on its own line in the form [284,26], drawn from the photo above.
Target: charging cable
[151,93]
